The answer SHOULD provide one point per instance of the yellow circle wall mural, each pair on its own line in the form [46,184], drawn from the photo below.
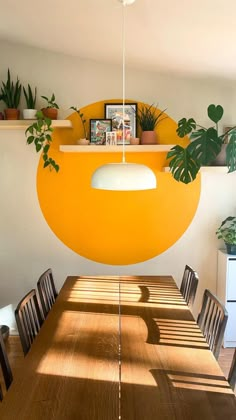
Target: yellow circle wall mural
[114,227]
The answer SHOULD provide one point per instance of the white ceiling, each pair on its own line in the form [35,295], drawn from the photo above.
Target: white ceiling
[196,37]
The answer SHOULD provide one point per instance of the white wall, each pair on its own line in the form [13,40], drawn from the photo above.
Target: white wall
[27,245]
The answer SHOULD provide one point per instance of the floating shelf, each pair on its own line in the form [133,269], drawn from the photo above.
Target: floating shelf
[219,169]
[108,149]
[23,124]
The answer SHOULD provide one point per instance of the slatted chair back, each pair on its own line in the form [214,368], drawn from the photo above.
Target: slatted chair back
[189,285]
[212,321]
[29,318]
[6,370]
[232,372]
[47,291]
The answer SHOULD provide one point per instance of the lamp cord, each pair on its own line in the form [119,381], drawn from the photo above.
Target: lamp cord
[123,80]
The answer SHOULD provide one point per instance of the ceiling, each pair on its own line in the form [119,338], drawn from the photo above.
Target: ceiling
[187,37]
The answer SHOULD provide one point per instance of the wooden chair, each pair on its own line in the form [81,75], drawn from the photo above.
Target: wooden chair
[6,370]
[189,285]
[47,291]
[212,320]
[29,318]
[232,372]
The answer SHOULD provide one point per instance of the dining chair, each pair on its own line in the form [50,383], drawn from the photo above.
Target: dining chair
[29,318]
[6,369]
[212,321]
[47,291]
[232,372]
[189,285]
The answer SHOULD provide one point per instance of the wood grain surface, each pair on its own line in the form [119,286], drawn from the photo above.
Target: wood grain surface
[72,369]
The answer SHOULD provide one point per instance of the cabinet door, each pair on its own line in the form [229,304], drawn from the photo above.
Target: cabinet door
[230,334]
[231,279]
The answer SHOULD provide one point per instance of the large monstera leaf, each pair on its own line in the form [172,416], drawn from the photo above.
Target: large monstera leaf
[182,166]
[206,145]
[231,153]
[185,126]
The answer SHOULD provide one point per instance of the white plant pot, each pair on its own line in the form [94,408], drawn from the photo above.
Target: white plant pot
[29,114]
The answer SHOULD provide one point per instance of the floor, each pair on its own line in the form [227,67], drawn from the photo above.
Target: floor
[15,356]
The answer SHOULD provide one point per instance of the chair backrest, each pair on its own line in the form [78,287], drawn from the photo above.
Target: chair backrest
[47,291]
[232,372]
[6,370]
[189,285]
[212,320]
[29,318]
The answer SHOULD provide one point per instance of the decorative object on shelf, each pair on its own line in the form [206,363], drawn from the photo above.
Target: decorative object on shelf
[1,116]
[111,138]
[123,176]
[83,142]
[30,112]
[98,129]
[134,140]
[11,94]
[185,163]
[148,117]
[40,133]
[115,112]
[51,110]
[227,232]
[83,121]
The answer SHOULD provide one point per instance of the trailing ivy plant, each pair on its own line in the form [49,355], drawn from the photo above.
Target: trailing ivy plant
[83,120]
[40,133]
[185,163]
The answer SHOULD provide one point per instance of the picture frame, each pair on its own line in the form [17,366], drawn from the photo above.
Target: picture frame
[98,129]
[111,139]
[114,111]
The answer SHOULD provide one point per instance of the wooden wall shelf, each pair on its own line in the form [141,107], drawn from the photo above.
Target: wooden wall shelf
[23,124]
[111,149]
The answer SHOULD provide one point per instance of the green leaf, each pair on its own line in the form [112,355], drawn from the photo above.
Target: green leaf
[215,112]
[30,139]
[46,148]
[182,166]
[206,145]
[46,164]
[185,126]
[231,153]
[38,147]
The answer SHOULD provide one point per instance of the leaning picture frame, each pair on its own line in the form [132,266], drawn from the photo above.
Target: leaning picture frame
[98,129]
[114,111]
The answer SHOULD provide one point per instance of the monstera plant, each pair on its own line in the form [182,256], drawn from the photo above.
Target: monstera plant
[185,163]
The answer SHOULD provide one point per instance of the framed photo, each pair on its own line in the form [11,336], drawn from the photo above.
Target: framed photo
[115,113]
[98,129]
[111,138]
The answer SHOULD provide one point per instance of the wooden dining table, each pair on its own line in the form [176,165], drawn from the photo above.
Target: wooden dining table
[119,348]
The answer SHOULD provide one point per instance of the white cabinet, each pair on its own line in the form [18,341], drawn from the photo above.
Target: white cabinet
[226,292]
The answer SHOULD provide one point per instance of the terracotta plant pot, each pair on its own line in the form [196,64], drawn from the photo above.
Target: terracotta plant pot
[134,140]
[12,114]
[50,113]
[148,137]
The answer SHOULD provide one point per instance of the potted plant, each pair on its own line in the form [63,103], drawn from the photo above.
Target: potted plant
[185,163]
[50,111]
[84,140]
[30,112]
[227,232]
[148,117]
[40,134]
[10,94]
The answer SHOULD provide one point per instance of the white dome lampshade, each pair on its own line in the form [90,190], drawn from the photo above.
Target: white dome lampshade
[123,177]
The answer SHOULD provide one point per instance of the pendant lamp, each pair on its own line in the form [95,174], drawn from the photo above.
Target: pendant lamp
[123,176]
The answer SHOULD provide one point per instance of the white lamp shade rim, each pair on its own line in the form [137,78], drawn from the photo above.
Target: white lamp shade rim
[123,177]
